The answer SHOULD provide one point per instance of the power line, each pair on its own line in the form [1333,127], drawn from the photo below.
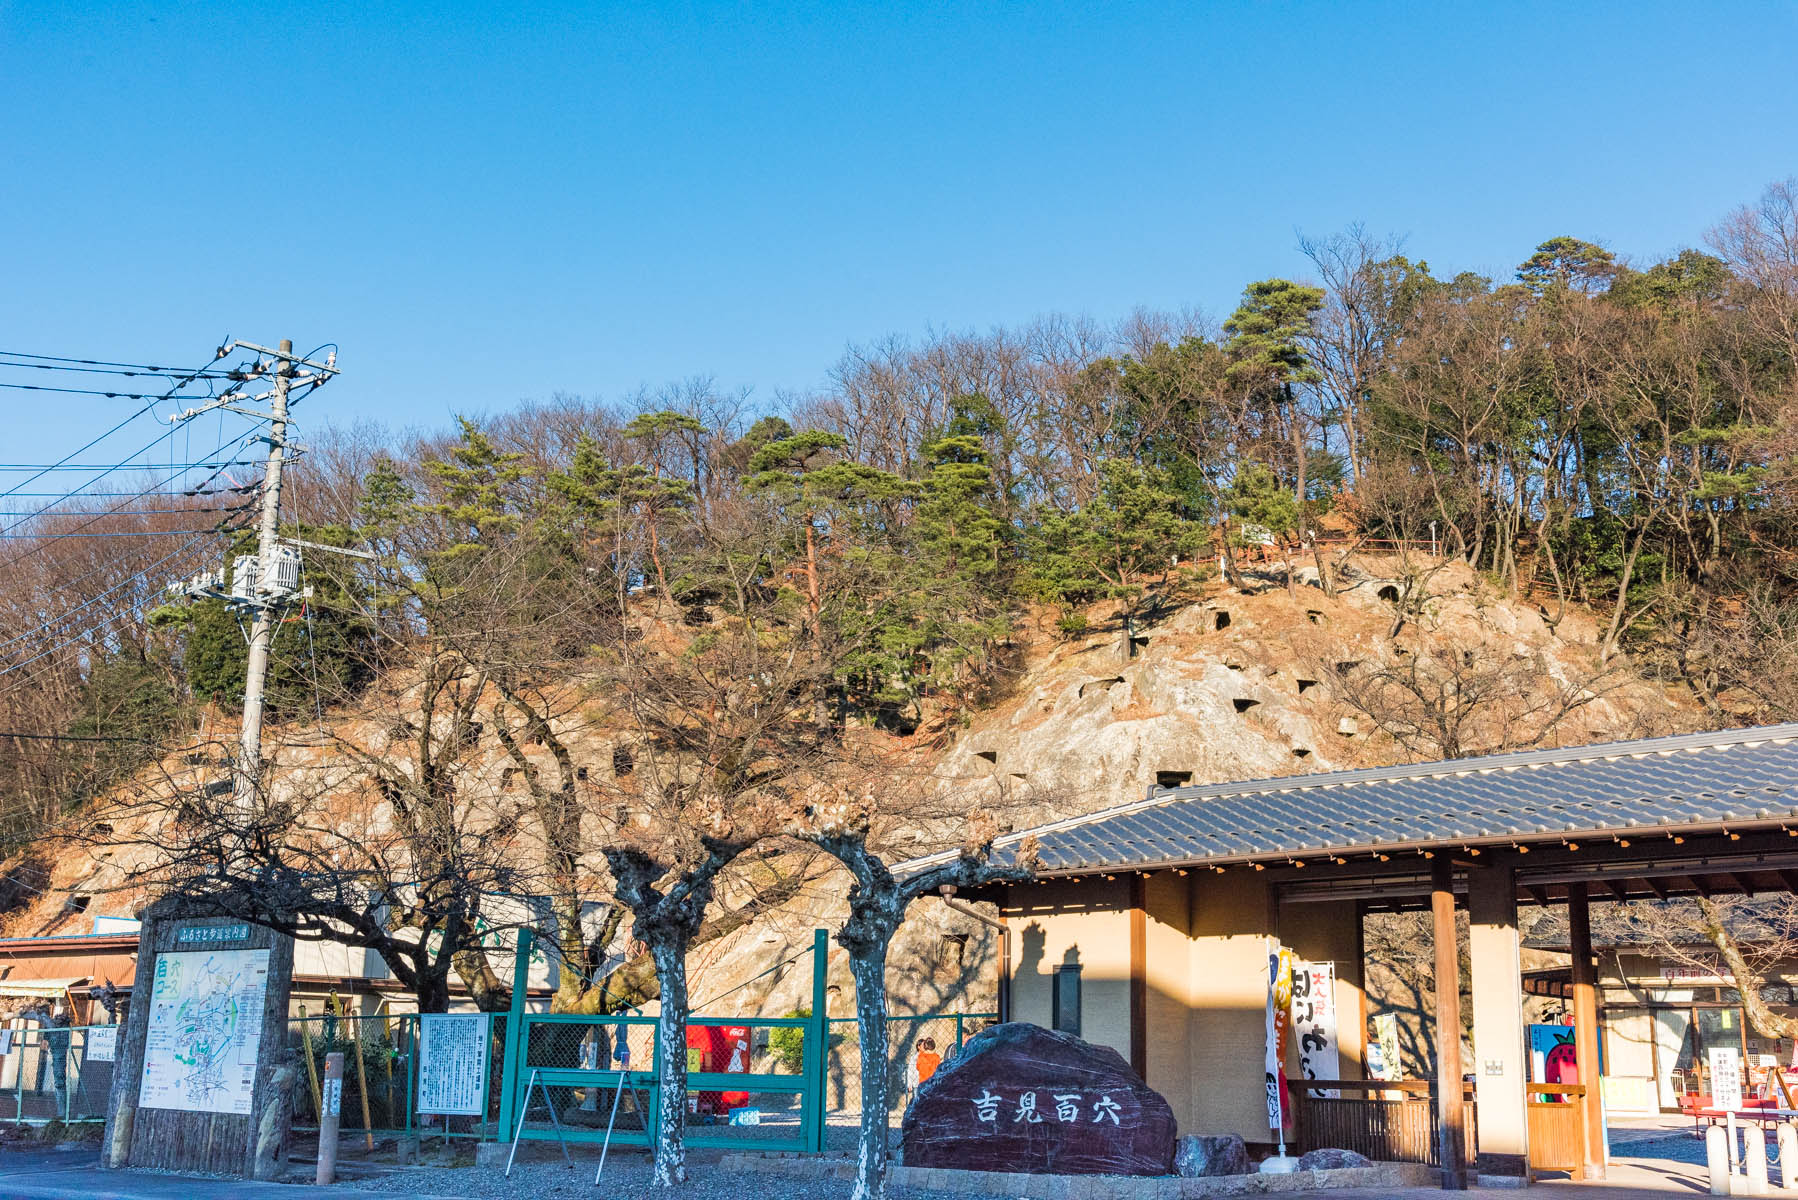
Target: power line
[179,384]
[148,466]
[21,537]
[44,387]
[147,368]
[136,575]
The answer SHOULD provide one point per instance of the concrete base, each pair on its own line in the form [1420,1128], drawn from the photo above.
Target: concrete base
[1383,1178]
[1500,1181]
[493,1154]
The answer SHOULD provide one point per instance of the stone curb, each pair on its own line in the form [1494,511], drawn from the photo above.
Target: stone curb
[1387,1177]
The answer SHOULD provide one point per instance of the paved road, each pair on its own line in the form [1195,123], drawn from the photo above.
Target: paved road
[1645,1168]
[72,1173]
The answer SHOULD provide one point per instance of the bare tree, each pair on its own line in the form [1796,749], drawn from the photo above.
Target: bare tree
[851,824]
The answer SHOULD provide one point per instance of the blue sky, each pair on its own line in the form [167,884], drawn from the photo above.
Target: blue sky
[482,204]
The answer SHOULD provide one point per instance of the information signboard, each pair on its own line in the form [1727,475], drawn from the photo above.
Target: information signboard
[102,1043]
[1726,1078]
[453,1049]
[205,1031]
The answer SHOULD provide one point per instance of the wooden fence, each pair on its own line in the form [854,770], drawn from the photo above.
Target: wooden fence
[1390,1121]
[1557,1127]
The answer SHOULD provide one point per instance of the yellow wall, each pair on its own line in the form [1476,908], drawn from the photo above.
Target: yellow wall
[1168,977]
[1205,973]
[1331,932]
[1086,922]
[1227,1024]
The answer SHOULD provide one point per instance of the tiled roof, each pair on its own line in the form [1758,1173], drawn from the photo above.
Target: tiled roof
[1696,781]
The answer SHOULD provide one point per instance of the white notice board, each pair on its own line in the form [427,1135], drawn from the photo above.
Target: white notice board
[102,1043]
[1726,1078]
[205,1030]
[452,1063]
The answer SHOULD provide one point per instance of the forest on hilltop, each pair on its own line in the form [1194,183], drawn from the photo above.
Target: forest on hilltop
[1589,431]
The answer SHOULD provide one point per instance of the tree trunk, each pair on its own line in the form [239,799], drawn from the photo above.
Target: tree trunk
[868,968]
[671,1063]
[1766,1022]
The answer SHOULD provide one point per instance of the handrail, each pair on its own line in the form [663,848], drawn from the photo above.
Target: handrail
[1360,1085]
[1555,1089]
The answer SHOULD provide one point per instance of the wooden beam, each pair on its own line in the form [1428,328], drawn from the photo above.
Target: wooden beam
[1744,883]
[1657,887]
[1538,894]
[1789,878]
[1585,1024]
[1449,1105]
[1703,887]
[1618,889]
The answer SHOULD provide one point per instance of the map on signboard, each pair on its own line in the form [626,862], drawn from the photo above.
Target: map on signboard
[205,1029]
[452,1063]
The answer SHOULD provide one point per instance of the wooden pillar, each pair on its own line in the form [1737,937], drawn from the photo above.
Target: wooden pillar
[1449,1109]
[1585,1024]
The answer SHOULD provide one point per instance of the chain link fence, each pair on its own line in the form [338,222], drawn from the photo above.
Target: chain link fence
[57,1073]
[380,1075]
[912,1043]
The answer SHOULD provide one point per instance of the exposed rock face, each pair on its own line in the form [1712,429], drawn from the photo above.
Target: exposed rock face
[1199,1156]
[1332,1160]
[1023,1098]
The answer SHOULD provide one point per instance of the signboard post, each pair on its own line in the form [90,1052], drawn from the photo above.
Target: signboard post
[453,1050]
[196,1064]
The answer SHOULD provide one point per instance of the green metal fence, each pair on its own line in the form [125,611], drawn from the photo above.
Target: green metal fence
[380,1075]
[57,1073]
[945,1033]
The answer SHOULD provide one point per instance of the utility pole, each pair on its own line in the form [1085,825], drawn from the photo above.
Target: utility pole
[264,603]
[269,580]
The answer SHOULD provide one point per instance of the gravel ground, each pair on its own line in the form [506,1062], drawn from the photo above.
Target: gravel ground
[626,1178]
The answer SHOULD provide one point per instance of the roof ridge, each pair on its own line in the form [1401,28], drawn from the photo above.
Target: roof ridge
[1637,748]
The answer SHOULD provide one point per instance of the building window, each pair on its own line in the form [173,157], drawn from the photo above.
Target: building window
[1064,1001]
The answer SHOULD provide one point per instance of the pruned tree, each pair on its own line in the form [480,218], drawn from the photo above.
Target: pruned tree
[854,825]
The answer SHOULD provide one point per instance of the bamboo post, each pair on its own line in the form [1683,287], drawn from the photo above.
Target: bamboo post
[355,1023]
[311,1067]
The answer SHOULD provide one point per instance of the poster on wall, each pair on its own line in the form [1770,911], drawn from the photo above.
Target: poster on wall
[1383,1060]
[1552,1058]
[1279,1013]
[1314,1024]
[452,1063]
[205,1030]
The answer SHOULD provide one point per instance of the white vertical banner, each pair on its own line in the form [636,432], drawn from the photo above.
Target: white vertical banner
[1314,1024]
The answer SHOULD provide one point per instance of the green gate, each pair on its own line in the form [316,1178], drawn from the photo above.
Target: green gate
[753,1083]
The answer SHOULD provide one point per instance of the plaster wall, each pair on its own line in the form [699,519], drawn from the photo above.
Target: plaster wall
[1226,1023]
[1064,922]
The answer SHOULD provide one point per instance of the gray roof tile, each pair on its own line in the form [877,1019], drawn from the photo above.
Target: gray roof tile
[1691,781]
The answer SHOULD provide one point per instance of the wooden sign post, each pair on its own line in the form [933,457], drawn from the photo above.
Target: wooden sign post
[203,1070]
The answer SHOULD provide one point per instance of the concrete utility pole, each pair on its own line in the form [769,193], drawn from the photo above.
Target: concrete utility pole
[269,580]
[265,604]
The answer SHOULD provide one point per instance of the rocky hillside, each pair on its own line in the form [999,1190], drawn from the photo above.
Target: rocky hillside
[1222,684]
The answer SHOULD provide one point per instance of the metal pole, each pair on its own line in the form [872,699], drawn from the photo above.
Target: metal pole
[262,632]
[328,1118]
[612,1121]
